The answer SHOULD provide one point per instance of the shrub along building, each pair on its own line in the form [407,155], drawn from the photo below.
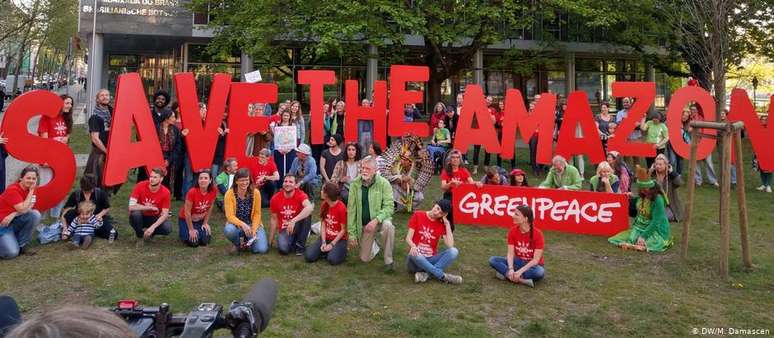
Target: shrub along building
[157,38]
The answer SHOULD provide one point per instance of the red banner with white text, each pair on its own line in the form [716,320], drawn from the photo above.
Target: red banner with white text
[581,212]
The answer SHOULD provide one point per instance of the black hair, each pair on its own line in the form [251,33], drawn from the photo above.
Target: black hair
[68,116]
[242,173]
[377,148]
[358,151]
[88,182]
[211,186]
[163,93]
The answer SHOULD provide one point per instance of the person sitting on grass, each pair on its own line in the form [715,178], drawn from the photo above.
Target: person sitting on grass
[604,180]
[518,178]
[149,207]
[562,176]
[524,261]
[650,230]
[193,220]
[90,191]
[82,228]
[225,179]
[265,176]
[425,228]
[332,243]
[290,211]
[243,216]
[17,217]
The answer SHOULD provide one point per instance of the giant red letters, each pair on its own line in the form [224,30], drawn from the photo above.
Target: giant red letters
[643,93]
[316,79]
[474,105]
[376,113]
[540,120]
[122,153]
[581,212]
[579,112]
[679,100]
[203,138]
[760,137]
[239,124]
[27,147]
[400,97]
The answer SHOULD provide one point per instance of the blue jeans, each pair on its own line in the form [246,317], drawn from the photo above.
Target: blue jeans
[709,168]
[433,265]
[500,264]
[79,239]
[236,235]
[202,237]
[18,234]
[336,256]
[188,174]
[295,242]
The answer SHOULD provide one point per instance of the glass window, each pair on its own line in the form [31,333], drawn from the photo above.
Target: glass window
[557,83]
[591,84]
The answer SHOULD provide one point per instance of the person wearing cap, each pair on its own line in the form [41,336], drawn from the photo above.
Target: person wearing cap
[650,230]
[518,178]
[562,176]
[369,212]
[305,169]
[425,229]
[656,134]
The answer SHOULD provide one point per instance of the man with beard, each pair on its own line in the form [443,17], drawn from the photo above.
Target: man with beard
[149,207]
[290,210]
[99,129]
[159,106]
[369,211]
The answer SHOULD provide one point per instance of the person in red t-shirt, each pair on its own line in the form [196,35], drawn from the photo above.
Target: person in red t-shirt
[452,175]
[193,221]
[149,207]
[425,228]
[57,128]
[524,264]
[332,243]
[265,176]
[17,218]
[290,211]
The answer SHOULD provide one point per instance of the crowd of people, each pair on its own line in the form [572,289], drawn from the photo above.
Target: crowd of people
[358,185]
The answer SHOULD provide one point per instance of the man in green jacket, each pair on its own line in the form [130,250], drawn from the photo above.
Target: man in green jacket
[562,176]
[369,211]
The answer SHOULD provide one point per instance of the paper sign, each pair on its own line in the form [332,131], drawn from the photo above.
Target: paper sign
[285,138]
[253,77]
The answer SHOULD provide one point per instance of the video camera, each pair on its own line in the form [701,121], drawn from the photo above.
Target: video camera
[245,319]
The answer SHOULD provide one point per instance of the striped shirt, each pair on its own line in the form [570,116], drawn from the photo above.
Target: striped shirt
[84,228]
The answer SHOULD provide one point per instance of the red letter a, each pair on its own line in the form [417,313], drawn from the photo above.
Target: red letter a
[201,140]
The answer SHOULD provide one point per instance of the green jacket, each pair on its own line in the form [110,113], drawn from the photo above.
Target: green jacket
[570,180]
[380,203]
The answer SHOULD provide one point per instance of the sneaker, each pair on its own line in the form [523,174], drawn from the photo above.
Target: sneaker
[389,268]
[761,188]
[499,276]
[25,250]
[527,282]
[421,277]
[768,188]
[452,279]
[716,184]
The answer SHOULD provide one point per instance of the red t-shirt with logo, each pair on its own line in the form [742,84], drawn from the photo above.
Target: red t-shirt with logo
[427,232]
[144,196]
[461,174]
[200,203]
[285,208]
[54,126]
[335,220]
[263,169]
[13,195]
[524,248]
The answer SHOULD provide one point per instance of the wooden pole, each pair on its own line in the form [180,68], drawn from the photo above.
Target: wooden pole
[691,193]
[741,199]
[725,196]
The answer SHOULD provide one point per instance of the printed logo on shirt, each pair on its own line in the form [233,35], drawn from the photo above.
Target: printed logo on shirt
[522,249]
[426,236]
[288,212]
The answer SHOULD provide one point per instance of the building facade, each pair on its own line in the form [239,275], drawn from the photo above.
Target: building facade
[157,38]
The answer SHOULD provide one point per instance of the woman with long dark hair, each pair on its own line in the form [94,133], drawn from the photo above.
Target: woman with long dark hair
[57,128]
[526,245]
[347,169]
[518,178]
[243,215]
[193,221]
[171,141]
[650,230]
[332,243]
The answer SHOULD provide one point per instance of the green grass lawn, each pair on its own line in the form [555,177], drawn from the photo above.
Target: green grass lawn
[591,288]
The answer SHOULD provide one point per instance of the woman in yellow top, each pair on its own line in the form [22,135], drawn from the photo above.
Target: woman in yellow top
[243,216]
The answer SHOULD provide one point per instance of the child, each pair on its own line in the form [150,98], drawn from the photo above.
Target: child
[82,227]
[524,263]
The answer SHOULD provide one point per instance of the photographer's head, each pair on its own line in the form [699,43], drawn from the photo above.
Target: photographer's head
[73,321]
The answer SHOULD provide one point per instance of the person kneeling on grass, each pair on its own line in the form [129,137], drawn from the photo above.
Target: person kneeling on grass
[243,216]
[524,263]
[332,243]
[82,228]
[149,207]
[193,220]
[425,228]
[290,214]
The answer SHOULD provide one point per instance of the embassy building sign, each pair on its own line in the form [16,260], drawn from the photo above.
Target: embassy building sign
[150,17]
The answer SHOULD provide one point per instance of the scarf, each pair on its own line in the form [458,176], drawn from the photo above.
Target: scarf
[104,114]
